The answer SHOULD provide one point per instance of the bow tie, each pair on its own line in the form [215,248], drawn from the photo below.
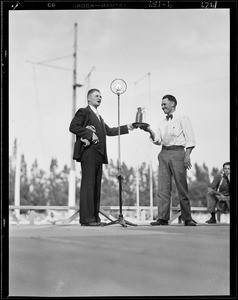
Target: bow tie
[169,117]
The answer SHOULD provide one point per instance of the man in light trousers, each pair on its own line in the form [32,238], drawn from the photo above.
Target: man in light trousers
[176,136]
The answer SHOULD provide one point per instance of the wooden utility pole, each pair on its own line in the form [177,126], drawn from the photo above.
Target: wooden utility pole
[17,179]
[137,193]
[150,163]
[74,92]
[88,83]
[72,174]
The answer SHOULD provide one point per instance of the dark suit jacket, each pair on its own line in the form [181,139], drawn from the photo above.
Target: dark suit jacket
[85,117]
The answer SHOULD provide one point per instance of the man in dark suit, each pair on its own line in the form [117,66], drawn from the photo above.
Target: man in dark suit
[91,150]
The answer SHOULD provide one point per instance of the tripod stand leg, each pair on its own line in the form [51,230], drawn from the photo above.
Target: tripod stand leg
[102,213]
[76,215]
[121,221]
[129,223]
[70,219]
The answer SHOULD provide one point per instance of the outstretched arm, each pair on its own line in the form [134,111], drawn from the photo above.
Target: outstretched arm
[153,137]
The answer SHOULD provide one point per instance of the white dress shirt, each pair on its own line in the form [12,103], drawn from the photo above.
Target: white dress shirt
[95,111]
[176,131]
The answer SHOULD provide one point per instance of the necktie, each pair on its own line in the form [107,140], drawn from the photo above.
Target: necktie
[97,114]
[227,180]
[169,117]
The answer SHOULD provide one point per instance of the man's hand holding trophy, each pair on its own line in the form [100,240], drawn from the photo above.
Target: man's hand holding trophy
[140,122]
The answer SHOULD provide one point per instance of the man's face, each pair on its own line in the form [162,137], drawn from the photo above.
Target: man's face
[167,106]
[226,170]
[95,99]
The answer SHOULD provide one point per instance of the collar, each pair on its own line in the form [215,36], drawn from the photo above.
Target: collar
[94,109]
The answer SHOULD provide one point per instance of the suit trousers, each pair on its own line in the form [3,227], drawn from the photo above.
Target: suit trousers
[91,166]
[171,164]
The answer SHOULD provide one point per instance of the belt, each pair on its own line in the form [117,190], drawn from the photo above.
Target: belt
[172,147]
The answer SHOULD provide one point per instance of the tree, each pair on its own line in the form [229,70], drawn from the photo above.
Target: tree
[64,176]
[24,186]
[144,185]
[37,186]
[215,172]
[201,173]
[57,185]
[198,187]
[11,180]
[78,184]
[128,186]
[12,168]
[109,186]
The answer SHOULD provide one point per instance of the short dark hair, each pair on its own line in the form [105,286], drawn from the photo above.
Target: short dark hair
[226,164]
[92,91]
[171,98]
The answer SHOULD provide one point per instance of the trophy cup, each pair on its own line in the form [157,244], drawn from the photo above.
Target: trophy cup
[140,118]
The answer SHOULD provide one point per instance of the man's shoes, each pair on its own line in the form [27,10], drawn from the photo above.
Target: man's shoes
[212,220]
[190,223]
[91,224]
[159,222]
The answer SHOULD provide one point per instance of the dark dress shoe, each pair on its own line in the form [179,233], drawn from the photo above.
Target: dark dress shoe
[91,224]
[159,222]
[211,221]
[190,223]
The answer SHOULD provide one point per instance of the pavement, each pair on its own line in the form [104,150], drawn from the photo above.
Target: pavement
[73,260]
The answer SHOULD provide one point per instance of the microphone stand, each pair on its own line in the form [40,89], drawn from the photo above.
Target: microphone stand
[120,219]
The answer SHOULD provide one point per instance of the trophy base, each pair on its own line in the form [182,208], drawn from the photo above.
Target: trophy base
[140,124]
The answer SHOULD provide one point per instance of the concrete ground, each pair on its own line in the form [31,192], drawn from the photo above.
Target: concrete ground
[71,260]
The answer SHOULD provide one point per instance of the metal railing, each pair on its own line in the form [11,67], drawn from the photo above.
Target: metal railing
[32,208]
[140,211]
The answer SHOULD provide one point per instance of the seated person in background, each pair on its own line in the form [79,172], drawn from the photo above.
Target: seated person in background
[218,193]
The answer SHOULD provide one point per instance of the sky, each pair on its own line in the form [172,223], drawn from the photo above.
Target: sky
[181,52]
